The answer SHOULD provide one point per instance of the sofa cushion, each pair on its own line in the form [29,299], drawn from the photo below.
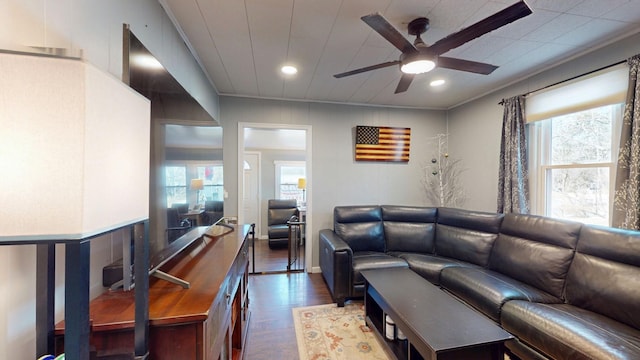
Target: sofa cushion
[360,227]
[564,331]
[466,235]
[488,290]
[429,266]
[411,214]
[535,250]
[278,232]
[464,244]
[410,237]
[368,260]
[280,211]
[604,276]
[409,228]
[469,219]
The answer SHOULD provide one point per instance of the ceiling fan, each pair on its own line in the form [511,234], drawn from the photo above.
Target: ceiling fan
[418,58]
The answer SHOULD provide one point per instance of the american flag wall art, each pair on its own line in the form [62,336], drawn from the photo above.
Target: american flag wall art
[375,143]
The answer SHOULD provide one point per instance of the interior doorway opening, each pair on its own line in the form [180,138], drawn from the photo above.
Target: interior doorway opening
[274,163]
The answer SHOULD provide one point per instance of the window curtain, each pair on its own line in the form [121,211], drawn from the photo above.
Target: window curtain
[513,182]
[626,213]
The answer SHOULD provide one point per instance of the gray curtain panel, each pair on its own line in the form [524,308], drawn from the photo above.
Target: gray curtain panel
[513,180]
[626,213]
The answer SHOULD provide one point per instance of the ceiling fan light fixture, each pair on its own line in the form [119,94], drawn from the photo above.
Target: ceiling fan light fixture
[289,70]
[419,66]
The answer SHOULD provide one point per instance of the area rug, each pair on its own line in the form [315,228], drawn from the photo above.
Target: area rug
[328,332]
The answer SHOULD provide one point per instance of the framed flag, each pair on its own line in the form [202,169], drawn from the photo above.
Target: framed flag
[375,143]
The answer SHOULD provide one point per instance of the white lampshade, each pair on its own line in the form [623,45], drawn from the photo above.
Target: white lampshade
[74,149]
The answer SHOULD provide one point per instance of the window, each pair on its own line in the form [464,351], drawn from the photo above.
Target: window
[213,182]
[577,155]
[176,183]
[179,174]
[288,174]
[574,130]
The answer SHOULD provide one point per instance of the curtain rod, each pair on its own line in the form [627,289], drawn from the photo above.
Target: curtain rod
[569,79]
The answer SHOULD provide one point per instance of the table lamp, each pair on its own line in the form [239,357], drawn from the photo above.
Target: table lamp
[302,184]
[74,149]
[197,185]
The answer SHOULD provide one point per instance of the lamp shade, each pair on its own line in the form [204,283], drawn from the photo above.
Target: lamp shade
[74,147]
[302,183]
[197,184]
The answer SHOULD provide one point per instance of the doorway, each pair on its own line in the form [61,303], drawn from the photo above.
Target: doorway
[251,181]
[260,148]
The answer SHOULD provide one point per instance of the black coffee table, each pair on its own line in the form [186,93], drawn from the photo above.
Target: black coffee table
[436,324]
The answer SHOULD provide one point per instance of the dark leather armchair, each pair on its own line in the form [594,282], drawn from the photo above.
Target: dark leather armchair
[278,213]
[181,208]
[214,211]
[176,226]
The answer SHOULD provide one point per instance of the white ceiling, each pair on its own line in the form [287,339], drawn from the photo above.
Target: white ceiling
[193,137]
[242,44]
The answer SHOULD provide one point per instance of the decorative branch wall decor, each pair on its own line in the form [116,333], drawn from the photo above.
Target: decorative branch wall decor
[382,143]
[441,177]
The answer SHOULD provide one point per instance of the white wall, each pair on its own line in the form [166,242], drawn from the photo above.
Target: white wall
[475,128]
[94,26]
[337,178]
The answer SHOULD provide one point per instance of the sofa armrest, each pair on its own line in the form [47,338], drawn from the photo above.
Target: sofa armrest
[336,264]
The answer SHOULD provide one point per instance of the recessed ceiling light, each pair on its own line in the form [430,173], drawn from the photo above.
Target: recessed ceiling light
[289,70]
[438,82]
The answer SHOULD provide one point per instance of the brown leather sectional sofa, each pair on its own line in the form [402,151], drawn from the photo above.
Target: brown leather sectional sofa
[565,290]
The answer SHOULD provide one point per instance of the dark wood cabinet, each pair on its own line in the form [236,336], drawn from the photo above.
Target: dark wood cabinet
[208,321]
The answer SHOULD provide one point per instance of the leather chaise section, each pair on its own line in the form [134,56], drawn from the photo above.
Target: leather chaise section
[584,334]
[488,290]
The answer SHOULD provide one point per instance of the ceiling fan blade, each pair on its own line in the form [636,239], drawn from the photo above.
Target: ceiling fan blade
[404,83]
[384,28]
[465,65]
[368,68]
[493,22]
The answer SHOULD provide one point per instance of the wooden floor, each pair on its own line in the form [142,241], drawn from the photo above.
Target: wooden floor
[269,260]
[271,333]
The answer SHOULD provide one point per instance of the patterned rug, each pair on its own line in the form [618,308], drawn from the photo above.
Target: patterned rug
[327,332]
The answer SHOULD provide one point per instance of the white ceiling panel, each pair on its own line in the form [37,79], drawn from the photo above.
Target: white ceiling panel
[235,47]
[596,8]
[555,5]
[556,27]
[243,43]
[627,12]
[593,32]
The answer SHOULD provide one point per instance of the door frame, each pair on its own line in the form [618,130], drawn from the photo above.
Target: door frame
[258,228]
[309,191]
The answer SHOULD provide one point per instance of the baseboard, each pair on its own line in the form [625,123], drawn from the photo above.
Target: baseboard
[316,269]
